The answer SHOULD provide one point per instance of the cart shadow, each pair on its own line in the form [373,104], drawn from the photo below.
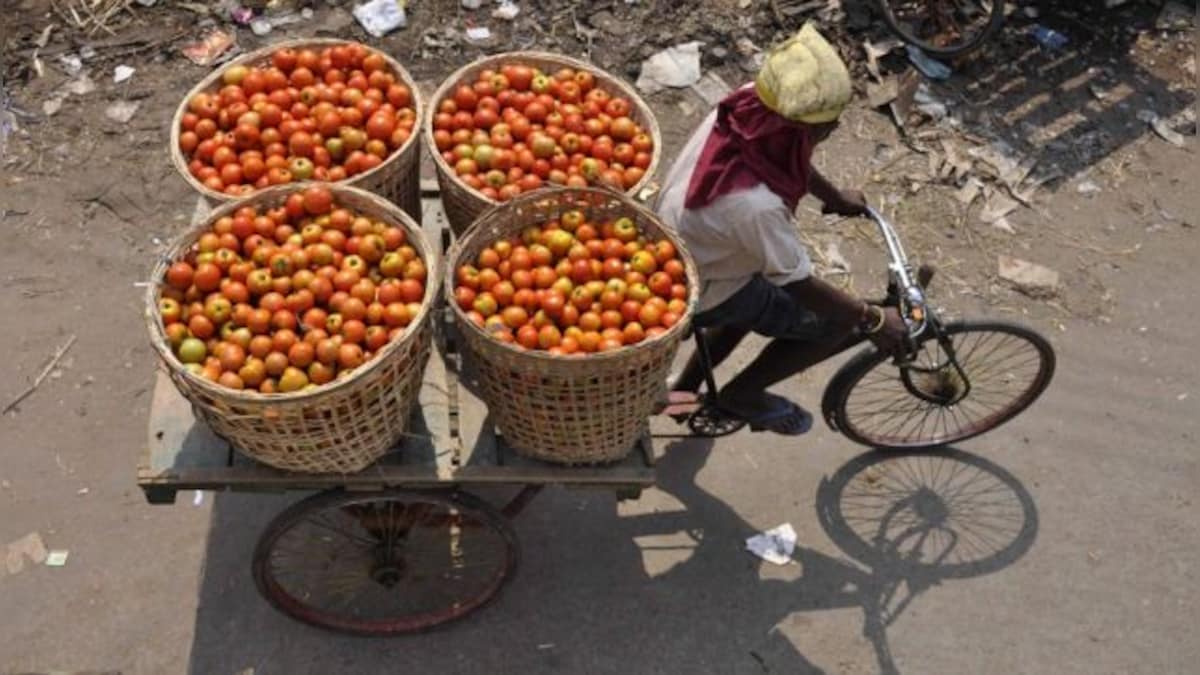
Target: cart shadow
[601,589]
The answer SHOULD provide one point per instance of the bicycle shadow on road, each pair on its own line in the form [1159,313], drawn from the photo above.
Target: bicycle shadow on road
[916,519]
[585,599]
[908,521]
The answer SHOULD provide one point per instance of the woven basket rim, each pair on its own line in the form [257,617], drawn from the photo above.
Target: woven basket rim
[604,78]
[415,237]
[180,162]
[451,262]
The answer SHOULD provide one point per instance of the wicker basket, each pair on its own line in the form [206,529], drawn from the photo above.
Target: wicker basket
[340,427]
[398,178]
[463,204]
[568,409]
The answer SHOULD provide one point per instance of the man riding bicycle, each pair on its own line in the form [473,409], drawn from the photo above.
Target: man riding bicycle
[731,195]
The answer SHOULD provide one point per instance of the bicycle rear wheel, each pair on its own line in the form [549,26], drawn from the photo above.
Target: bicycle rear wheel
[943,27]
[1001,369]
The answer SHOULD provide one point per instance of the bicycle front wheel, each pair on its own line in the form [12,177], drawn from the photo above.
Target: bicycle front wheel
[943,27]
[967,379]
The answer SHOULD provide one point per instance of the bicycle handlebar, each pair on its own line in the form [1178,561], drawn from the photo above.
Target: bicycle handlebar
[911,297]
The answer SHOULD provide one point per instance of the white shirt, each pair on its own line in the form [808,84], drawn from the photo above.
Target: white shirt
[737,235]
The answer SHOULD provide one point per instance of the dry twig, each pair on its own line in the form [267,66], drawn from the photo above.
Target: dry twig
[37,382]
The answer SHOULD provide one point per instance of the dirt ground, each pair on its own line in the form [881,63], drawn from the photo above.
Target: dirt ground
[1099,575]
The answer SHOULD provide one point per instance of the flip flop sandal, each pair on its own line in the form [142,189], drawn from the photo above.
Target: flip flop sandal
[784,418]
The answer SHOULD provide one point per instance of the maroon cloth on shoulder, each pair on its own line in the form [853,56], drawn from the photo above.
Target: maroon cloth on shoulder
[751,144]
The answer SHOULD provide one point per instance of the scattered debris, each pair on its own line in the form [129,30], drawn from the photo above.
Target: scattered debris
[380,17]
[997,206]
[478,33]
[8,120]
[712,88]
[210,48]
[43,38]
[30,546]
[37,382]
[91,16]
[57,558]
[265,24]
[906,92]
[122,73]
[1161,127]
[929,66]
[1032,279]
[752,55]
[472,4]
[80,86]
[260,26]
[1089,188]
[877,50]
[1175,15]
[121,111]
[71,63]
[678,66]
[82,491]
[241,15]
[775,545]
[930,106]
[507,11]
[198,499]
[969,191]
[882,93]
[1048,38]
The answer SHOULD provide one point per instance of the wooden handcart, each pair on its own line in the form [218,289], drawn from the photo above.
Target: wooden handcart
[403,545]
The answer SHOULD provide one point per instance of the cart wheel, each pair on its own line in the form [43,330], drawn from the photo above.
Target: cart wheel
[385,563]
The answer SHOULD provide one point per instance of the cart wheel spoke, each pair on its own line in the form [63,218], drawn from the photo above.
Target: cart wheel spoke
[384,564]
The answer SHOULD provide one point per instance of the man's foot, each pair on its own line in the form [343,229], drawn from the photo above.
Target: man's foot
[679,405]
[775,414]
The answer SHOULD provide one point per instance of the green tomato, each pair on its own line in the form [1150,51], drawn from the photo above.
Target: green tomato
[192,350]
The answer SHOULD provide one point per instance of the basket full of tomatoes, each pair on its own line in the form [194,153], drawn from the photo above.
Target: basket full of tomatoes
[315,109]
[510,123]
[297,323]
[571,303]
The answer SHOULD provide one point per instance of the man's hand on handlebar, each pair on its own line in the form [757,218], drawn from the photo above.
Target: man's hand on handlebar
[891,336]
[846,203]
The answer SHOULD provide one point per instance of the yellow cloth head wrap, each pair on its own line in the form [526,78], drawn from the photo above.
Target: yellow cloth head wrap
[804,79]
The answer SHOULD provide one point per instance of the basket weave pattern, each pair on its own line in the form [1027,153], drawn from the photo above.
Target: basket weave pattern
[340,427]
[397,179]
[568,409]
[463,204]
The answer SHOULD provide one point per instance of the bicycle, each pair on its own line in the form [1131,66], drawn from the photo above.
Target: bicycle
[954,380]
[943,27]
